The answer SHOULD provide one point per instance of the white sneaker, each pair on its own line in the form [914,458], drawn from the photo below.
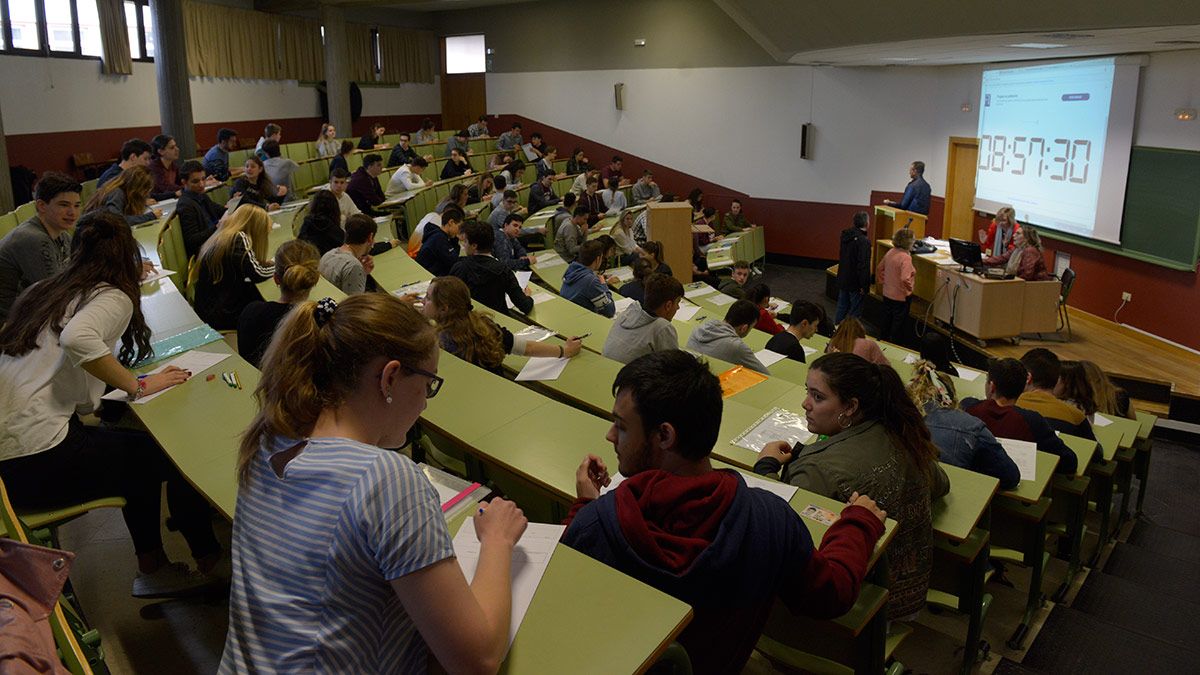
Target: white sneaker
[172,580]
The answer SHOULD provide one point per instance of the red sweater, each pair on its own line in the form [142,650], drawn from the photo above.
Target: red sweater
[767,323]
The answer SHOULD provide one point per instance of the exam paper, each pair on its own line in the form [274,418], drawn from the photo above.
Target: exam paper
[686,311]
[523,279]
[418,287]
[808,351]
[550,259]
[768,357]
[1024,454]
[702,289]
[542,368]
[156,275]
[530,558]
[535,333]
[623,304]
[721,299]
[968,374]
[625,273]
[1101,421]
[193,361]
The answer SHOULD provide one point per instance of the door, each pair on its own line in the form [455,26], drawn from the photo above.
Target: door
[959,218]
[464,96]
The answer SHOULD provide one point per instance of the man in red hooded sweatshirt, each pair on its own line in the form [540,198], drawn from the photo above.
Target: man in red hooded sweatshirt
[700,534]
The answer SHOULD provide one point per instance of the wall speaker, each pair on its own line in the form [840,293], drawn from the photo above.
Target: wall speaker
[619,95]
[806,141]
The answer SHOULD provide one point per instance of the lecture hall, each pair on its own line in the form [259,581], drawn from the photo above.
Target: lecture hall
[629,336]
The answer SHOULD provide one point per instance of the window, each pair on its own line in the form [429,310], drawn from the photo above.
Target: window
[70,28]
[465,54]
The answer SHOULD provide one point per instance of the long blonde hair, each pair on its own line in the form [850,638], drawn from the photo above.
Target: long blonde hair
[1104,392]
[471,335]
[248,218]
[1008,213]
[136,182]
[296,266]
[930,386]
[309,367]
[847,332]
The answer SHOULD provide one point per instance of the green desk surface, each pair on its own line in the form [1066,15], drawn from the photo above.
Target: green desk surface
[956,514]
[1084,451]
[736,417]
[1109,438]
[817,530]
[976,388]
[1129,429]
[1030,491]
[787,395]
[1146,422]
[551,275]
[474,402]
[167,312]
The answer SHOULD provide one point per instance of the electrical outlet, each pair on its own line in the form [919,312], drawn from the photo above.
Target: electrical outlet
[1126,296]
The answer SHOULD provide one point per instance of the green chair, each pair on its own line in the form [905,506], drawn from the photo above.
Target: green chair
[89,189]
[354,161]
[172,252]
[320,171]
[25,211]
[8,222]
[302,179]
[238,157]
[391,139]
[220,195]
[446,134]
[298,220]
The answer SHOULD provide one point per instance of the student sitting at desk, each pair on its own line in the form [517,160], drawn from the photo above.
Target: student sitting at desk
[803,322]
[459,141]
[739,280]
[511,139]
[570,233]
[358,528]
[134,152]
[614,200]
[272,132]
[677,524]
[537,145]
[896,275]
[1073,387]
[473,337]
[545,165]
[403,153]
[349,266]
[457,165]
[578,163]
[636,289]
[652,251]
[1005,419]
[878,445]
[488,279]
[230,265]
[342,159]
[339,184]
[579,185]
[426,134]
[279,169]
[1024,259]
[457,197]
[851,338]
[622,234]
[513,172]
[479,128]
[327,143]
[164,167]
[373,139]
[734,221]
[126,196]
[645,327]
[963,439]
[256,180]
[541,193]
[508,248]
[54,365]
[997,241]
[198,213]
[612,170]
[584,285]
[216,160]
[1110,399]
[322,226]
[364,188]
[296,272]
[1044,370]
[760,295]
[499,161]
[592,201]
[39,247]
[407,178]
[440,245]
[645,190]
[722,339]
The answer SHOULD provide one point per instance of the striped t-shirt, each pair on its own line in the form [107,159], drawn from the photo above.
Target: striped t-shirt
[313,555]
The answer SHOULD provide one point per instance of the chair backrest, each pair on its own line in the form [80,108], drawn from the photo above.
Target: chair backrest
[298,219]
[320,171]
[238,157]
[220,195]
[8,222]
[89,189]
[25,211]
[1068,282]
[172,252]
[354,161]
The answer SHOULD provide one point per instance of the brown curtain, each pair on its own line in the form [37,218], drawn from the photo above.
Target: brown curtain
[407,55]
[301,54]
[114,38]
[359,61]
[227,42]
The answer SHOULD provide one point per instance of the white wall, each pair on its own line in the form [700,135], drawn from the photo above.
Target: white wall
[739,126]
[44,95]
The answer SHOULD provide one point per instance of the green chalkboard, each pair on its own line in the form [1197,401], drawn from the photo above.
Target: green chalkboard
[1161,222]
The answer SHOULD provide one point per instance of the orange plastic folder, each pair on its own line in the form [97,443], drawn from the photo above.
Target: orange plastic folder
[738,379]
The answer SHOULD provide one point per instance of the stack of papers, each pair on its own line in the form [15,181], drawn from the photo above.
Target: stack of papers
[721,299]
[625,273]
[1024,454]
[550,259]
[699,290]
[769,358]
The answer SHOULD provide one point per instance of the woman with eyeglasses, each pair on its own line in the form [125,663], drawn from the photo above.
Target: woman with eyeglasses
[342,559]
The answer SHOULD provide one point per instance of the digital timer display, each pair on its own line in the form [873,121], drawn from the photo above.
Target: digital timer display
[1060,159]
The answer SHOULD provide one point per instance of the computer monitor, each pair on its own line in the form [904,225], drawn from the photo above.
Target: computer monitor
[966,253]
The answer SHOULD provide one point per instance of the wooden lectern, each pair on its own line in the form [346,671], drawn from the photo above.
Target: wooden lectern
[888,219]
[671,224]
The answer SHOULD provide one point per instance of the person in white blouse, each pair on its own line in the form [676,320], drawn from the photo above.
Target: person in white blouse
[407,177]
[77,333]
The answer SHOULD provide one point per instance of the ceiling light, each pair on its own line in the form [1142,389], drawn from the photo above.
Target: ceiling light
[1185,114]
[1036,45]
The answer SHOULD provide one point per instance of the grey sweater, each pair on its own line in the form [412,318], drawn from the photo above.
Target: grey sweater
[28,255]
[343,270]
[636,333]
[719,340]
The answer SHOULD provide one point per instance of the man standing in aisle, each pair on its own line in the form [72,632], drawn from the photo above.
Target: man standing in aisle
[854,268]
[916,194]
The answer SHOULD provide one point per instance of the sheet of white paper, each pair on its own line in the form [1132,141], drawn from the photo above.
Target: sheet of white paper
[551,260]
[910,358]
[535,333]
[539,298]
[625,273]
[686,312]
[968,374]
[523,278]
[768,357]
[721,299]
[418,287]
[530,558]
[1101,421]
[808,351]
[156,275]
[623,304]
[194,361]
[530,155]
[542,368]
[1024,454]
[702,289]
[782,490]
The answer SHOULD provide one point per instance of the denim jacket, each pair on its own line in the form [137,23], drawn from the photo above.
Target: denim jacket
[965,441]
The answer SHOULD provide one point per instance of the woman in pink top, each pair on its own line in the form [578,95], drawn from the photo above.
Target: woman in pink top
[852,337]
[896,274]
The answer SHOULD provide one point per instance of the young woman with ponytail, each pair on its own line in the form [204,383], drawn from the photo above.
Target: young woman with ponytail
[342,561]
[231,264]
[55,362]
[295,273]
[878,445]
[472,336]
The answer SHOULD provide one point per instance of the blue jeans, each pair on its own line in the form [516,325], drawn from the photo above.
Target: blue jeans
[849,304]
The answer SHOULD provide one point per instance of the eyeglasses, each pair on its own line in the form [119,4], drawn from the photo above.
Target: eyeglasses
[435,382]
